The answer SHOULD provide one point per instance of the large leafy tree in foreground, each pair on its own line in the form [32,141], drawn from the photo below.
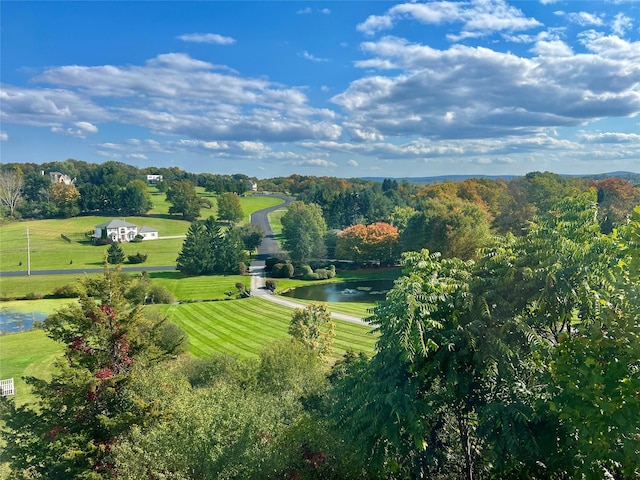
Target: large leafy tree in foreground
[523,364]
[80,413]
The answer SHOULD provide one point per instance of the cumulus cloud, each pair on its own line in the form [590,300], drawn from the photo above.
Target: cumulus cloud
[4,136]
[315,162]
[82,130]
[172,93]
[621,24]
[477,17]
[352,163]
[213,38]
[473,92]
[138,156]
[610,137]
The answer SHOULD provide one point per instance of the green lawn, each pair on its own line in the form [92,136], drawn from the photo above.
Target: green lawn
[30,353]
[199,288]
[50,251]
[244,327]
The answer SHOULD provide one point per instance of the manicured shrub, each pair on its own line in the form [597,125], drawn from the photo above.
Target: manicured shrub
[271,284]
[242,268]
[283,270]
[271,261]
[137,258]
[158,294]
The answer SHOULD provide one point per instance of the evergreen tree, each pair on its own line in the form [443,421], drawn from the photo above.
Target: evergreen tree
[115,254]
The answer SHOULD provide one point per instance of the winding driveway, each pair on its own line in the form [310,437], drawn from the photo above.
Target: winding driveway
[270,247]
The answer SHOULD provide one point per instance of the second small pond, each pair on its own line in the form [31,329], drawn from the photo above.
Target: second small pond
[368,291]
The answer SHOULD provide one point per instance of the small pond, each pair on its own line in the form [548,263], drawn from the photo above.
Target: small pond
[12,321]
[369,291]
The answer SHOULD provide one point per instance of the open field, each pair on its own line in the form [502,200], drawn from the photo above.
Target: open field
[49,250]
[27,354]
[244,327]
[199,288]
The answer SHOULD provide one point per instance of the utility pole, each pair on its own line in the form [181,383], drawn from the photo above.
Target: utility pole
[28,254]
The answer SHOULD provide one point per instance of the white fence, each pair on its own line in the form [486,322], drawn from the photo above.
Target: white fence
[7,388]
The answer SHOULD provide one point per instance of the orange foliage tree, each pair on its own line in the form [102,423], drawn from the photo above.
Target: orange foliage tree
[376,242]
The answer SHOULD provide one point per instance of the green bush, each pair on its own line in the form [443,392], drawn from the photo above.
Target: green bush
[319,274]
[137,258]
[158,294]
[283,270]
[137,239]
[66,291]
[271,284]
[270,262]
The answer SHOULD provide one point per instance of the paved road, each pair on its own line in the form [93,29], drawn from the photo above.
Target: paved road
[80,271]
[260,219]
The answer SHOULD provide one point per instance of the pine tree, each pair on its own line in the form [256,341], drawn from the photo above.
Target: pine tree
[115,254]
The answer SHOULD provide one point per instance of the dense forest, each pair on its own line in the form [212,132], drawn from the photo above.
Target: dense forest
[508,348]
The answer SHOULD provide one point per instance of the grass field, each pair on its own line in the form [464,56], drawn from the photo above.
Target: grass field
[244,327]
[30,353]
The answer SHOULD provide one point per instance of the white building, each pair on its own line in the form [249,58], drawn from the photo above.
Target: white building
[153,179]
[121,231]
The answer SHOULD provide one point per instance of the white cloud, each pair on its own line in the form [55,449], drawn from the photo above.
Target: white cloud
[309,10]
[586,19]
[82,131]
[610,137]
[138,156]
[315,162]
[477,17]
[352,163]
[312,57]
[4,136]
[213,38]
[175,94]
[471,92]
[621,24]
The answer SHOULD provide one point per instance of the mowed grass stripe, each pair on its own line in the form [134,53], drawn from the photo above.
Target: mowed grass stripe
[244,327]
[219,335]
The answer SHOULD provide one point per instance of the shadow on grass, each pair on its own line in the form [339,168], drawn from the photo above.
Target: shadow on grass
[173,275]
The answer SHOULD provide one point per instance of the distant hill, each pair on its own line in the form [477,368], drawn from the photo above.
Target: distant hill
[631,177]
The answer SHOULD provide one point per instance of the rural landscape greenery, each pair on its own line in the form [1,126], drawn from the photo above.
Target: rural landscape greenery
[508,347]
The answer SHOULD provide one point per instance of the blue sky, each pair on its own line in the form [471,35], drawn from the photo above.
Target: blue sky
[336,88]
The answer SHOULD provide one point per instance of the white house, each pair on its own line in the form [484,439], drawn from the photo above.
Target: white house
[153,179]
[121,231]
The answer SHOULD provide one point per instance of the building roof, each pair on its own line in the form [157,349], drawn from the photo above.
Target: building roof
[145,229]
[115,223]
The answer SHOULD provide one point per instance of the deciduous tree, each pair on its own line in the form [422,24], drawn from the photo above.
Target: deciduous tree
[313,328]
[303,228]
[11,186]
[229,208]
[184,200]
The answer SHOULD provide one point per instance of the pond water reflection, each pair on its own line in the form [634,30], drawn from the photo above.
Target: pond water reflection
[369,291]
[12,321]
